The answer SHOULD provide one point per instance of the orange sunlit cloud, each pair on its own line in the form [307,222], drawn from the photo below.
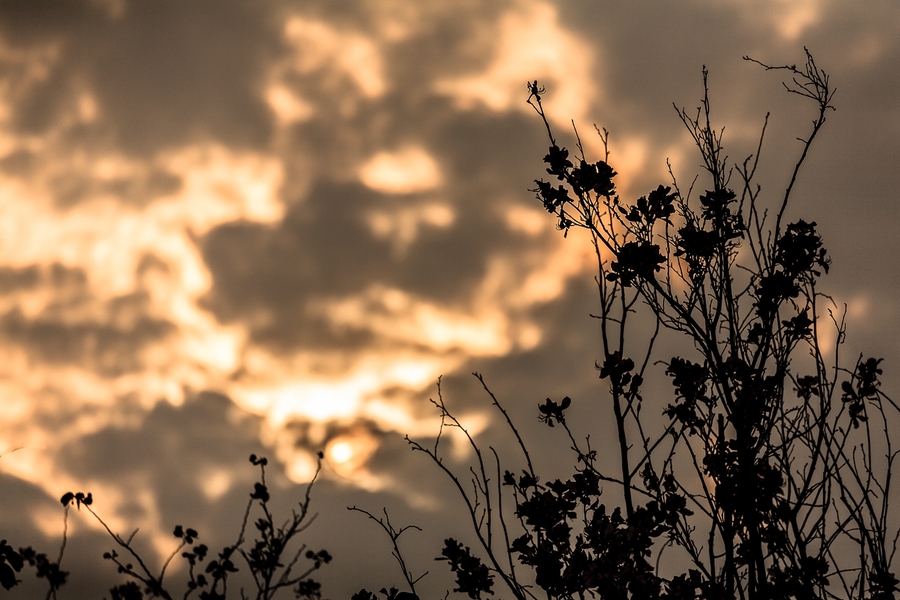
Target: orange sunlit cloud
[405,172]
[530,44]
[319,46]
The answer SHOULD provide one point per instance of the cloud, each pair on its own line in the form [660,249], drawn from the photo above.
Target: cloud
[319,47]
[408,171]
[788,18]
[528,43]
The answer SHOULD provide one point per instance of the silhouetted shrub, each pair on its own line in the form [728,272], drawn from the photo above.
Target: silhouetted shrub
[780,491]
[270,561]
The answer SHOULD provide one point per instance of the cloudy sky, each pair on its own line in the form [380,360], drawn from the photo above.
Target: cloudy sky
[235,226]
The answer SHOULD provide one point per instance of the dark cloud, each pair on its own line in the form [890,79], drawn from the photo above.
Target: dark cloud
[16,492]
[26,22]
[69,189]
[163,73]
[110,349]
[164,453]
[17,163]
[324,248]
[169,72]
[61,333]
[12,279]
[320,248]
[45,30]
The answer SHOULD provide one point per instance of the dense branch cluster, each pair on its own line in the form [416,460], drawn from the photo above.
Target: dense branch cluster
[766,470]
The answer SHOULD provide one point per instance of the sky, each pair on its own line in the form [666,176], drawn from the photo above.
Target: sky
[232,227]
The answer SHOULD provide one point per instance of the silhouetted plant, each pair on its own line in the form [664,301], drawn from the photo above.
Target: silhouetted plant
[394,535]
[770,487]
[270,562]
[11,562]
